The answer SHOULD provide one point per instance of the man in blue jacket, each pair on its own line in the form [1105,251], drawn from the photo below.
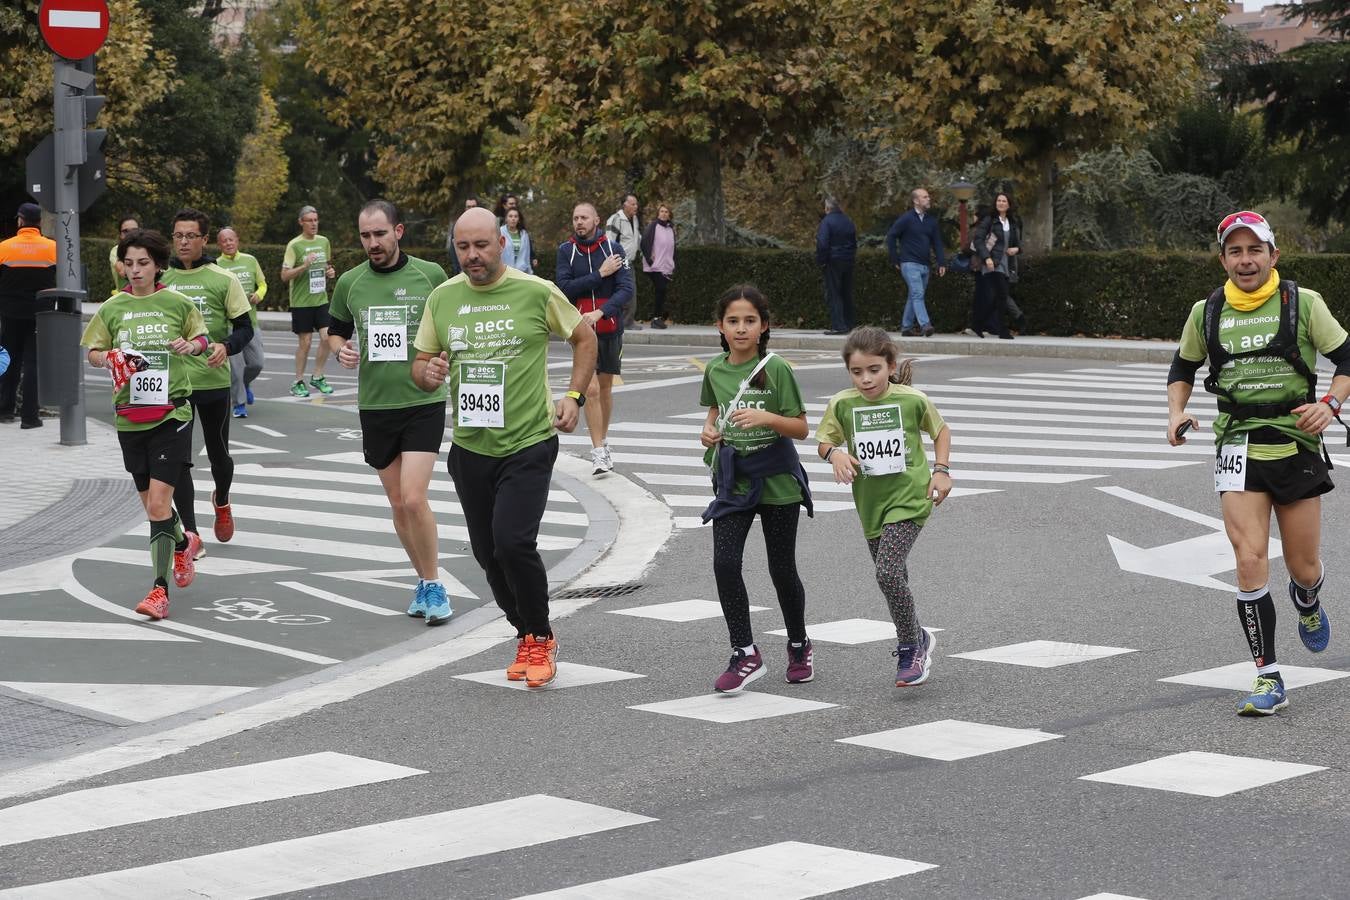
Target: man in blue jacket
[836,249]
[594,274]
[909,242]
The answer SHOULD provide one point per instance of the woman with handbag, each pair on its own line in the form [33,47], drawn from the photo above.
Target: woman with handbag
[997,239]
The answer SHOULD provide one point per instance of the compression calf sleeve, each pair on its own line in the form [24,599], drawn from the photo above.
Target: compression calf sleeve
[161,550]
[1256,612]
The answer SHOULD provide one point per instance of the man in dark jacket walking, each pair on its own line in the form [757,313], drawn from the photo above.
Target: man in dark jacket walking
[594,274]
[909,242]
[836,249]
[27,265]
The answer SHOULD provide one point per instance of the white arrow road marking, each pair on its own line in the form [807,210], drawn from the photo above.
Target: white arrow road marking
[1190,561]
[380,577]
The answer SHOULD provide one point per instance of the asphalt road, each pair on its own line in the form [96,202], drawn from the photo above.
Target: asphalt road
[1074,740]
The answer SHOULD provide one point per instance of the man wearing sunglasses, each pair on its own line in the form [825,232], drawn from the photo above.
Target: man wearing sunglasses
[1261,336]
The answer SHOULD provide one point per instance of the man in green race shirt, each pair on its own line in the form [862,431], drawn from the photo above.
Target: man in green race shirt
[381,301]
[126,226]
[144,336]
[1262,337]
[307,269]
[248,364]
[487,329]
[220,299]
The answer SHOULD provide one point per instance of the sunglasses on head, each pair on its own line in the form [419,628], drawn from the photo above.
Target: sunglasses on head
[1245,217]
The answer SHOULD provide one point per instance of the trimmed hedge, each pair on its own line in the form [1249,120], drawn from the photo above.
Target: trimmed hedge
[1124,293]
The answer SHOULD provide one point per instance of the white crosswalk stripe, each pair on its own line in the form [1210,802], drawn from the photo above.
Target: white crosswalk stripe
[1077,425]
[340,856]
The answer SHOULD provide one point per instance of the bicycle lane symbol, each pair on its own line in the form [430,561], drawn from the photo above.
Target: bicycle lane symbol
[255,609]
[342,434]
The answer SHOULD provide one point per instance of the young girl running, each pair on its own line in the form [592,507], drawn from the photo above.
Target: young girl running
[878,420]
[755,409]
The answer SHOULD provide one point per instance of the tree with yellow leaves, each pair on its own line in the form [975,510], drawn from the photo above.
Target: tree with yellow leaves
[1023,86]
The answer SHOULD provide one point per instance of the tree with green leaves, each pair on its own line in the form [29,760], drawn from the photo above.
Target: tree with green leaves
[1306,92]
[427,82]
[1025,87]
[677,93]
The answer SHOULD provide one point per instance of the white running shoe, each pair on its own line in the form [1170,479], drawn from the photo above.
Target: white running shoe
[601,461]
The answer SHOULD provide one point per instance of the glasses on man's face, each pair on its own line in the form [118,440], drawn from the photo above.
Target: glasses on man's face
[185,235]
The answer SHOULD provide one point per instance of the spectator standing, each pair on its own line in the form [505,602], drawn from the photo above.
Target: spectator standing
[594,275]
[248,364]
[517,252]
[909,243]
[836,250]
[997,240]
[624,228]
[27,265]
[658,260]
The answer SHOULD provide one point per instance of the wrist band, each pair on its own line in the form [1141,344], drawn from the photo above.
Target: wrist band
[829,453]
[202,343]
[942,467]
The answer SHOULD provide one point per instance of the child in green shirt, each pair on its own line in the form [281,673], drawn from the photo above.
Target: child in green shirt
[754,404]
[870,435]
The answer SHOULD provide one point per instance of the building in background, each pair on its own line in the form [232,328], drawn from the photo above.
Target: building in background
[1269,26]
[231,17]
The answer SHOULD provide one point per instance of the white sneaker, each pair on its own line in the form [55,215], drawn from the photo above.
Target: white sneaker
[601,462]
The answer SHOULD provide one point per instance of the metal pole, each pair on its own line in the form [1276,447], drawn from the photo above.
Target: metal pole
[69,118]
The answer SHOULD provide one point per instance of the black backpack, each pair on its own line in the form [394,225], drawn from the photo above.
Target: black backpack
[1283,345]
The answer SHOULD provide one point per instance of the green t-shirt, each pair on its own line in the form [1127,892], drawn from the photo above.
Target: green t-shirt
[118,279]
[505,326]
[780,395]
[244,266]
[148,324]
[220,297]
[310,287]
[393,301]
[900,496]
[1265,379]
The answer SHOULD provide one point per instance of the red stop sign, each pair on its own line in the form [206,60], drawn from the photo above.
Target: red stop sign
[74,28]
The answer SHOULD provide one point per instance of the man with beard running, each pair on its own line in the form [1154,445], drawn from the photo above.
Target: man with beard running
[402,426]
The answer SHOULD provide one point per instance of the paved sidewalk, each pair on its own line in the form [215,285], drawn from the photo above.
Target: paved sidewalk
[1113,349]
[39,471]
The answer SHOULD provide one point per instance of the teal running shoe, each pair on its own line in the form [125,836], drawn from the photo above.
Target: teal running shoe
[418,608]
[1266,697]
[1313,630]
[438,610]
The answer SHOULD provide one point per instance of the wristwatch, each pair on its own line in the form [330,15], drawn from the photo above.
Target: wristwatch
[1331,401]
[579,397]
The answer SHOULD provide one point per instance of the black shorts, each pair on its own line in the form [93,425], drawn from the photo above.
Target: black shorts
[610,353]
[1298,477]
[309,318]
[159,453]
[385,433]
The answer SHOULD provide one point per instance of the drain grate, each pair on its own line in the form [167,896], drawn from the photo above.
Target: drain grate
[604,590]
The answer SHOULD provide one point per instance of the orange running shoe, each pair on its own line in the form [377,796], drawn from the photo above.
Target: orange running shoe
[516,671]
[543,666]
[184,569]
[156,603]
[224,527]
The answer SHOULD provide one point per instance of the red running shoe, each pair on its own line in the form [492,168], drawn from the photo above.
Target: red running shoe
[156,603]
[224,527]
[184,569]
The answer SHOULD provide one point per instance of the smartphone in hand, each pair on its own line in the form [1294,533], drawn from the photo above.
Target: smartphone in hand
[1183,428]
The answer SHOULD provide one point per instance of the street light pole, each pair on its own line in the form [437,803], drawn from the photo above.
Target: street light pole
[964,192]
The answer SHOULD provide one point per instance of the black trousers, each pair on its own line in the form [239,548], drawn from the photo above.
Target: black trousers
[19,337]
[660,284]
[212,409]
[503,499]
[991,296]
[839,295]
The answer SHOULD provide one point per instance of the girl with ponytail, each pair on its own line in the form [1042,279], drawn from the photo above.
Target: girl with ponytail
[755,412]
